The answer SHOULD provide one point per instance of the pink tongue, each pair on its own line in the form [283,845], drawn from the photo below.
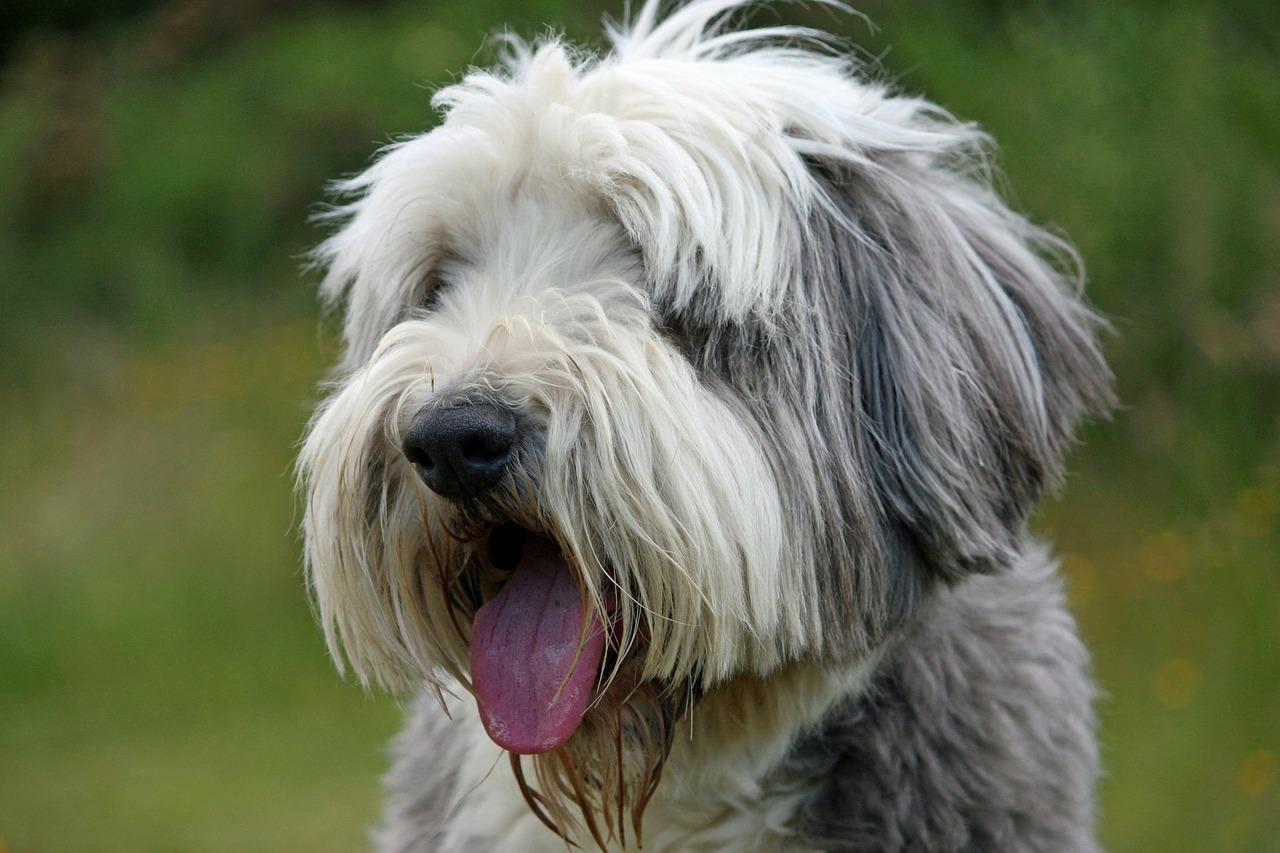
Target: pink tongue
[531,681]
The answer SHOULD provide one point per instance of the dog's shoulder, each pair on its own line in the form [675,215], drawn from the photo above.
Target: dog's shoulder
[975,734]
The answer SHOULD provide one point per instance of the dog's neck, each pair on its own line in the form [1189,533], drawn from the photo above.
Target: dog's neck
[716,782]
[750,721]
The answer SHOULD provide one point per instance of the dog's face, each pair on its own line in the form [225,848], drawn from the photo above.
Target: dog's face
[692,361]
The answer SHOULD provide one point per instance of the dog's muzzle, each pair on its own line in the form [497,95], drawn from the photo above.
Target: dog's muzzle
[536,646]
[461,450]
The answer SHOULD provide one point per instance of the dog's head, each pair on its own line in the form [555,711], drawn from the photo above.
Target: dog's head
[688,361]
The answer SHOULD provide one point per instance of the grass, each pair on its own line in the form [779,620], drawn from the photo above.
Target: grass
[162,684]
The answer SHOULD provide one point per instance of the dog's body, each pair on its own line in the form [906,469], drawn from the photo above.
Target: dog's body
[693,404]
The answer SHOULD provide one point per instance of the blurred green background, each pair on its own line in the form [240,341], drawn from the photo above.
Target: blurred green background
[162,686]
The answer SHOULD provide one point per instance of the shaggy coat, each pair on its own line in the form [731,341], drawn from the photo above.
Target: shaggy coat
[788,377]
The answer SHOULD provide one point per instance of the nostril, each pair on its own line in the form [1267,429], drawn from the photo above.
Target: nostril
[485,449]
[420,457]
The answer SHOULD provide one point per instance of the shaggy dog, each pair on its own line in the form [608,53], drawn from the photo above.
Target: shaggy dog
[693,403]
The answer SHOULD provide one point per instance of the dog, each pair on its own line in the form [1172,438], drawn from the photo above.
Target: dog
[694,397]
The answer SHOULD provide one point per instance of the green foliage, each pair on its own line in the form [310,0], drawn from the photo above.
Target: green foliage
[153,173]
[161,683]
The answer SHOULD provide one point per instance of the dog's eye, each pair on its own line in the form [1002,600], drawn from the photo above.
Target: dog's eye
[429,293]
[435,281]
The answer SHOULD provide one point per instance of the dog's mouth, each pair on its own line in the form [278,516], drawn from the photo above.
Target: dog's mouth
[536,646]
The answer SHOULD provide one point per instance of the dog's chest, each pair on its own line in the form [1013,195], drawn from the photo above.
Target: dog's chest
[718,790]
[695,809]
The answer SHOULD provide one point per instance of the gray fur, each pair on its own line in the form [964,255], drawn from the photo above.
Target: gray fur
[422,784]
[977,734]
[932,364]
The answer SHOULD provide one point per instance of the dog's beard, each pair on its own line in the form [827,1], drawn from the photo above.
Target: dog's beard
[601,780]
[598,779]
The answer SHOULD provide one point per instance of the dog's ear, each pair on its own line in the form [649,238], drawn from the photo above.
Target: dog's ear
[969,353]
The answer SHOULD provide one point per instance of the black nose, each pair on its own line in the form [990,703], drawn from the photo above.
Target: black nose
[461,450]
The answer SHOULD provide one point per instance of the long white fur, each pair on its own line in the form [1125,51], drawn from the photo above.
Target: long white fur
[654,136]
[659,131]
[646,474]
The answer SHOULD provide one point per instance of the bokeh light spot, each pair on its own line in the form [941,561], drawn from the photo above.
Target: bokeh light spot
[1176,682]
[1257,773]
[1166,557]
